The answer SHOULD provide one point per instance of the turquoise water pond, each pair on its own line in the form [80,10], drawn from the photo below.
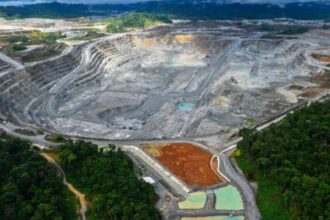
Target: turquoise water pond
[196,200]
[228,198]
[186,106]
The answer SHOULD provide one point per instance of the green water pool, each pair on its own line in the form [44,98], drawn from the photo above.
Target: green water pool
[186,106]
[228,198]
[170,63]
[195,200]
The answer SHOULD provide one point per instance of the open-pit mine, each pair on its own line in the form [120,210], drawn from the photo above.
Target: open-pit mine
[190,80]
[173,97]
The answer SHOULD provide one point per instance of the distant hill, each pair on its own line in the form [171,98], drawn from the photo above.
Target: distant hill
[179,10]
[282,2]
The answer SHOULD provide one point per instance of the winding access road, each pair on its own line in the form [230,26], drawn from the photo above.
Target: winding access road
[251,209]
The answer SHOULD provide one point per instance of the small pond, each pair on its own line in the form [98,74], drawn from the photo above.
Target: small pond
[186,106]
[195,200]
[228,198]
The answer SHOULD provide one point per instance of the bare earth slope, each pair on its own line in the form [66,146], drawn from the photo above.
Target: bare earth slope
[131,86]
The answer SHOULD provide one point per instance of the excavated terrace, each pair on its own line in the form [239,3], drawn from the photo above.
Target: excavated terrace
[129,86]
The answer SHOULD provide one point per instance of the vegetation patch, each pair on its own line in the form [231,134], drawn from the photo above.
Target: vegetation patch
[29,187]
[187,10]
[294,30]
[40,132]
[109,180]
[249,122]
[25,132]
[276,31]
[152,150]
[268,197]
[291,164]
[56,138]
[91,34]
[16,45]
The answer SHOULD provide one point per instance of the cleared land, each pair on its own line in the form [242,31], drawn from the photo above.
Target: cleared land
[323,58]
[197,80]
[186,161]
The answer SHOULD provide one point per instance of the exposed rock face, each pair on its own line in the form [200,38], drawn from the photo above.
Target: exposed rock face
[128,86]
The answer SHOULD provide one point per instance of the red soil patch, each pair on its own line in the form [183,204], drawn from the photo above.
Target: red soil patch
[322,58]
[189,163]
[311,92]
[325,59]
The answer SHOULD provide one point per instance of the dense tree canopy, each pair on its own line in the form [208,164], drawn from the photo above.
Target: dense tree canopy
[109,180]
[295,155]
[182,10]
[29,187]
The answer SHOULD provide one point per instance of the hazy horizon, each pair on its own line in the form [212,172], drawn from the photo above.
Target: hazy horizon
[26,2]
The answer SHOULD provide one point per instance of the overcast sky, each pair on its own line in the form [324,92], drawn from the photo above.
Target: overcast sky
[20,2]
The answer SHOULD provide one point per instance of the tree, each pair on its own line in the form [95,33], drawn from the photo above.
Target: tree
[110,181]
[29,187]
[264,163]
[294,155]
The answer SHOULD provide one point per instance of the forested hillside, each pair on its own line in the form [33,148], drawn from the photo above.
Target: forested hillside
[109,180]
[29,187]
[179,10]
[291,163]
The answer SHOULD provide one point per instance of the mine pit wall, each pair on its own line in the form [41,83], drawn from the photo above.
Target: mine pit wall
[21,88]
[100,54]
[22,92]
[34,84]
[38,79]
[4,66]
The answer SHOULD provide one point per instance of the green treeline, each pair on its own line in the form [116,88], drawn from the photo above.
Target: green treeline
[52,10]
[29,187]
[108,178]
[135,20]
[291,160]
[186,10]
